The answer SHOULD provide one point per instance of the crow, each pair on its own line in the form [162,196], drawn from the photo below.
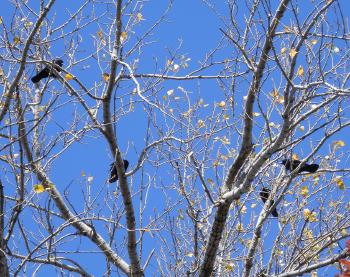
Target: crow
[48,71]
[264,195]
[114,175]
[311,168]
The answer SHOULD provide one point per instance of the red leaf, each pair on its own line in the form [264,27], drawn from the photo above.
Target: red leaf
[346,263]
[347,244]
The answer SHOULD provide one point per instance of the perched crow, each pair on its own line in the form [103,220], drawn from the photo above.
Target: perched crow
[114,175]
[264,194]
[48,71]
[311,168]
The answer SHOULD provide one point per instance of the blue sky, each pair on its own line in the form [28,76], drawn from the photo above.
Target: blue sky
[192,23]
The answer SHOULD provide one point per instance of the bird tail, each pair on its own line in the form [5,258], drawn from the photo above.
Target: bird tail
[36,79]
[41,75]
[274,213]
[312,168]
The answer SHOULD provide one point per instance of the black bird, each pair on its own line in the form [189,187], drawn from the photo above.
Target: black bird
[264,195]
[311,168]
[114,175]
[48,71]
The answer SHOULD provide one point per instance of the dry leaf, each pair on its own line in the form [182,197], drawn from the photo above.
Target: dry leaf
[123,37]
[68,77]
[340,182]
[139,17]
[100,35]
[292,53]
[300,71]
[200,123]
[229,267]
[304,191]
[28,24]
[16,40]
[39,188]
[275,93]
[222,104]
[310,216]
[105,77]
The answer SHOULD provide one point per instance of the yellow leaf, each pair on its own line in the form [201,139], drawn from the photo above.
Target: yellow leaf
[28,24]
[304,191]
[139,17]
[343,232]
[189,254]
[215,163]
[16,40]
[170,92]
[100,35]
[105,77]
[283,50]
[314,41]
[83,173]
[300,71]
[339,182]
[310,216]
[239,227]
[306,213]
[68,77]
[0,20]
[200,123]
[302,128]
[222,104]
[226,117]
[292,53]
[164,97]
[295,157]
[340,143]
[229,267]
[253,205]
[225,140]
[281,99]
[169,62]
[256,114]
[171,110]
[210,181]
[39,188]
[275,93]
[123,36]
[287,29]
[176,67]
[313,274]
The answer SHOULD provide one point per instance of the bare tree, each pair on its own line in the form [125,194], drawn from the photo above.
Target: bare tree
[190,202]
